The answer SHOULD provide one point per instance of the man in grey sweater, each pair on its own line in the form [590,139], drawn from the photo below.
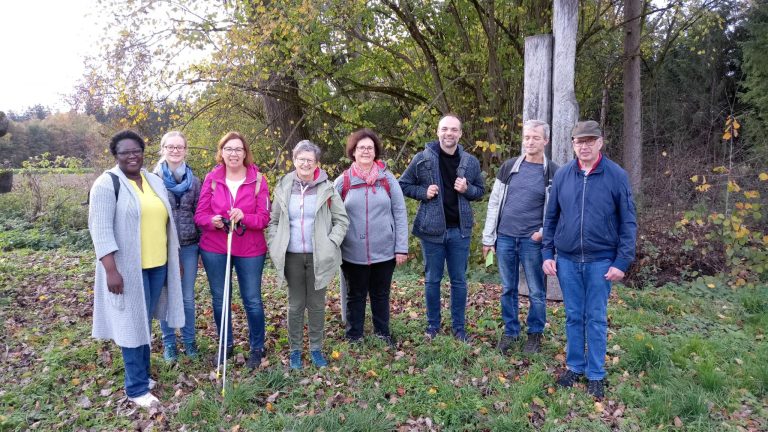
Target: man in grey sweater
[513,229]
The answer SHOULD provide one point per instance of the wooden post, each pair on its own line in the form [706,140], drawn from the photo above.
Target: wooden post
[537,105]
[565,109]
[537,81]
[632,131]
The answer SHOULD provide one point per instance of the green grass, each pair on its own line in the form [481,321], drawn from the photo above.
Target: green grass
[675,354]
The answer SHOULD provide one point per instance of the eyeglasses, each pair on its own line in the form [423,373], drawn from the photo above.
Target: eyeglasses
[231,150]
[364,149]
[129,153]
[585,143]
[174,148]
[303,161]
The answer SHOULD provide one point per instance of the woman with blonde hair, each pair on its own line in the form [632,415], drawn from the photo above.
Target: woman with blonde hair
[183,193]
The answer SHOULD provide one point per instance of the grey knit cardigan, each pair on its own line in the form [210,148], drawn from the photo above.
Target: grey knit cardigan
[115,227]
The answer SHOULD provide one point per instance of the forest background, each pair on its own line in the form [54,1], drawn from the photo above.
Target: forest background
[283,71]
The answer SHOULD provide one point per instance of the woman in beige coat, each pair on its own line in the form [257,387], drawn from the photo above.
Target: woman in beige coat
[307,225]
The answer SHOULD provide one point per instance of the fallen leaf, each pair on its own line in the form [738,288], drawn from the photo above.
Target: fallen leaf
[432,390]
[84,402]
[273,397]
[678,422]
[599,407]
[335,355]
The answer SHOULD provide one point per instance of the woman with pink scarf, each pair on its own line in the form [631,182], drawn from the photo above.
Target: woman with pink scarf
[377,238]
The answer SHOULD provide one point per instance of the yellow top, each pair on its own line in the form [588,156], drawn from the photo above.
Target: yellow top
[154,219]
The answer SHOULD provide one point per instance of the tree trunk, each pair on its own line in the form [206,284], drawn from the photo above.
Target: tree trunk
[4,123]
[633,138]
[537,79]
[6,181]
[285,117]
[565,109]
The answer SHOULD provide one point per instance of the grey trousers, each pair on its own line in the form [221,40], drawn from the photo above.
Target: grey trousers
[302,295]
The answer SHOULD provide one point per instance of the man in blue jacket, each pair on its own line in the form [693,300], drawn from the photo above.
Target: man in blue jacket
[445,179]
[591,224]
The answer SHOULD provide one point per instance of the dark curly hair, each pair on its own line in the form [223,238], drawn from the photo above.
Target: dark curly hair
[124,134]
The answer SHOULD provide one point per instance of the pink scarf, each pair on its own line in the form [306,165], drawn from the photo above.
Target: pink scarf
[370,176]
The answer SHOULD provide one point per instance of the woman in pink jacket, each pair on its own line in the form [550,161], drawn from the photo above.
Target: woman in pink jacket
[235,191]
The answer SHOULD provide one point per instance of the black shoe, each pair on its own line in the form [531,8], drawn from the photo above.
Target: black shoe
[254,358]
[388,339]
[533,344]
[506,342]
[569,378]
[217,361]
[461,336]
[357,341]
[431,333]
[596,388]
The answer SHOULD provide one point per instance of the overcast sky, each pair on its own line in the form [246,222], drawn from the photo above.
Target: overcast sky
[42,46]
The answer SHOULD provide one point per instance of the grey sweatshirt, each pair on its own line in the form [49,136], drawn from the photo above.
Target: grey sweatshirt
[378,223]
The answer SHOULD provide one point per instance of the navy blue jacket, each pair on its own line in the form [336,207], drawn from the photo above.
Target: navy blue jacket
[424,170]
[591,218]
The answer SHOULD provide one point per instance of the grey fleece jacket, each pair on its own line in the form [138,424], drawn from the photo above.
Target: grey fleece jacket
[378,222]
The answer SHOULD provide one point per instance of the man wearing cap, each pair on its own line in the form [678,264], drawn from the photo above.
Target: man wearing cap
[513,230]
[590,222]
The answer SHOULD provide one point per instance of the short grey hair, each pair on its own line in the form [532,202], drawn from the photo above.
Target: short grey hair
[531,124]
[306,146]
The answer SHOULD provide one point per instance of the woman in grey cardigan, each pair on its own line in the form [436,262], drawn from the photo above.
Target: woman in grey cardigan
[183,193]
[377,238]
[137,261]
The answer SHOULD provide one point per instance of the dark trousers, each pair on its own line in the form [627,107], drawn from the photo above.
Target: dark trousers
[364,280]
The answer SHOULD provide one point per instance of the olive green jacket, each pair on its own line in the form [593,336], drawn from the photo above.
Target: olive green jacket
[330,227]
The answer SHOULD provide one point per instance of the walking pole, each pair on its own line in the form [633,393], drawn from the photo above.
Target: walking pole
[225,313]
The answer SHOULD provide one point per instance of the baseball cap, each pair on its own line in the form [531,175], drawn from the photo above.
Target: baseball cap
[588,128]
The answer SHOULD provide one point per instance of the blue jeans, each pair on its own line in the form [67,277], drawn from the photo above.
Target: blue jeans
[249,271]
[512,251]
[188,258]
[453,251]
[585,295]
[136,360]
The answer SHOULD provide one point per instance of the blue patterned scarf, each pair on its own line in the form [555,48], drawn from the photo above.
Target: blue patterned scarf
[184,175]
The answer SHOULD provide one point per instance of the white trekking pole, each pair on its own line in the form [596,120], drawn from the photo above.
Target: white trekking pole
[223,334]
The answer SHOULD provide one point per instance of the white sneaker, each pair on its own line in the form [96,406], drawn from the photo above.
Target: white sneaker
[152,383]
[145,401]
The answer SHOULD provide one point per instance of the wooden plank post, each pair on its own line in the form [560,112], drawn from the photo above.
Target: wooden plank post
[537,80]
[537,105]
[565,109]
